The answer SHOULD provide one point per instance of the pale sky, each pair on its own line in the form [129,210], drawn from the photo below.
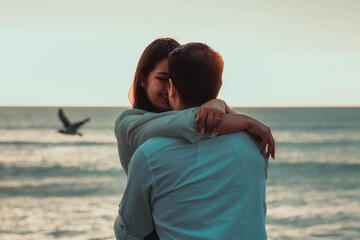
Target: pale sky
[276,52]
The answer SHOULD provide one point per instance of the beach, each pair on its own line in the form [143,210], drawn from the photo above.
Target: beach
[56,186]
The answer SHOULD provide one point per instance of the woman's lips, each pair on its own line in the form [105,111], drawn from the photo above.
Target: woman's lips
[165,96]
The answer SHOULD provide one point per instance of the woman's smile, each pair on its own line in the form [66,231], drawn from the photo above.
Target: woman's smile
[157,85]
[165,96]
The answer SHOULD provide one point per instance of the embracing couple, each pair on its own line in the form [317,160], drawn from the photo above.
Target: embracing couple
[199,171]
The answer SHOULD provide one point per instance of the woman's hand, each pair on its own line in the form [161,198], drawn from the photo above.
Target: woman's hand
[262,134]
[210,115]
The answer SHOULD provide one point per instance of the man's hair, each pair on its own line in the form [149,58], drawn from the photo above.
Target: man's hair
[196,72]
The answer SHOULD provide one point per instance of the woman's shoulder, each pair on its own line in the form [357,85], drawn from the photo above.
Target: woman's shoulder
[130,112]
[123,116]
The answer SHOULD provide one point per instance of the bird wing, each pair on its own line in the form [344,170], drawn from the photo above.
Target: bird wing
[78,124]
[63,118]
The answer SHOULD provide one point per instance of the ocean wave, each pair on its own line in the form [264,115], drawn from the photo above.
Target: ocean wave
[316,166]
[36,172]
[315,144]
[90,187]
[317,137]
[57,181]
[314,176]
[47,144]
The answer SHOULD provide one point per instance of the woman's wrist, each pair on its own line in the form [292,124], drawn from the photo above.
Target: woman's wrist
[249,122]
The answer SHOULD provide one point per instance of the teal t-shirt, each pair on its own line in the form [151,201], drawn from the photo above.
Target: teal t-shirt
[210,189]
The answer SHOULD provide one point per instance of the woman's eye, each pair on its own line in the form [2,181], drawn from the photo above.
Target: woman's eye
[163,79]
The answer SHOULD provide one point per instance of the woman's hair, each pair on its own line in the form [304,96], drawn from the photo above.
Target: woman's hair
[155,52]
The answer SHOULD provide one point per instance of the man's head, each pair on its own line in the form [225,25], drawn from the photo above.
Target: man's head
[195,75]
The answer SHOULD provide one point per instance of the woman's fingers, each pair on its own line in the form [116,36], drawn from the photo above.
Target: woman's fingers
[209,124]
[209,116]
[217,122]
[263,133]
[197,114]
[214,125]
[208,120]
[269,146]
[200,118]
[268,151]
[264,143]
[273,147]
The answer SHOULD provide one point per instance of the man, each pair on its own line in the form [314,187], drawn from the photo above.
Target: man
[210,189]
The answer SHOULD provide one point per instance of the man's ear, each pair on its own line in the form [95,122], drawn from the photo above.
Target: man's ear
[172,89]
[219,88]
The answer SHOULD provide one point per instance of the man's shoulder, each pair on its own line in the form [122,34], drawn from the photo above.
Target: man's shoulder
[239,137]
[161,146]
[162,143]
[238,142]
[157,144]
[244,139]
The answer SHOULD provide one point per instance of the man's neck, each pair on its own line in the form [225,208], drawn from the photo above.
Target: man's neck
[181,106]
[178,105]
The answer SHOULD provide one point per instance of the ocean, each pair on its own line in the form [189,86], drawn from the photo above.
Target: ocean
[55,186]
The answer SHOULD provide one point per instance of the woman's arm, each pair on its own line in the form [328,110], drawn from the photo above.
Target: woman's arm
[211,114]
[260,132]
[133,127]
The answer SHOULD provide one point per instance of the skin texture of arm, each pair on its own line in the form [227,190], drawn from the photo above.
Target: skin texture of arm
[233,123]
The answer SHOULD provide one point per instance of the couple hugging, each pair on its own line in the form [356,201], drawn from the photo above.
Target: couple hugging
[199,171]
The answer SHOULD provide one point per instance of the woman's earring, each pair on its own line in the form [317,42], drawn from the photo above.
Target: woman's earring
[142,84]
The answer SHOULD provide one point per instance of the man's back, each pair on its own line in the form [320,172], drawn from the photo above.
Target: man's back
[213,189]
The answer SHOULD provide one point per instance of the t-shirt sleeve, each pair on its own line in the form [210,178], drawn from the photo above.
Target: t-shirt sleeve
[135,218]
[134,126]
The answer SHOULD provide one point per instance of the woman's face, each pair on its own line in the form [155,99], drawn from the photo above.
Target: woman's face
[156,86]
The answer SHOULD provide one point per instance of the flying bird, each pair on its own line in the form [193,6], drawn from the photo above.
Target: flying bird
[69,128]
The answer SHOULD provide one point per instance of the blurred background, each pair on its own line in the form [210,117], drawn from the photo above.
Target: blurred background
[294,65]
[276,53]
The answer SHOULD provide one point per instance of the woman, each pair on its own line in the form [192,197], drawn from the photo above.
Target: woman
[149,98]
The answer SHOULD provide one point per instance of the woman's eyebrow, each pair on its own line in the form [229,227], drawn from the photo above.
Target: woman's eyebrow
[164,73]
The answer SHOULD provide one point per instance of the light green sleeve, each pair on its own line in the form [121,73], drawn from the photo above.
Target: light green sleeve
[135,216]
[134,126]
